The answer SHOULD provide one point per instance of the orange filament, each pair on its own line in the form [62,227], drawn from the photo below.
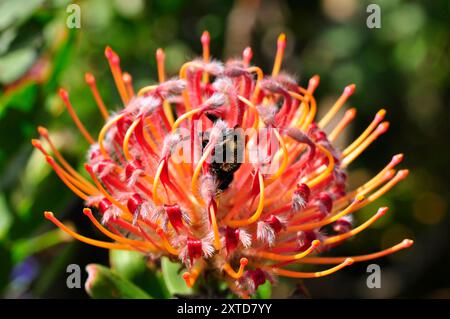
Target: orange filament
[179,171]
[166,243]
[382,177]
[126,213]
[385,174]
[254,218]
[335,260]
[402,174]
[149,139]
[190,278]
[126,140]
[281,45]
[128,81]
[253,108]
[205,39]
[155,133]
[102,134]
[233,274]
[354,231]
[308,118]
[67,179]
[238,203]
[64,179]
[212,212]
[304,108]
[284,163]
[312,102]
[156,182]
[147,89]
[90,80]
[365,188]
[184,117]
[36,143]
[247,56]
[114,64]
[326,172]
[396,159]
[197,170]
[120,239]
[65,97]
[186,66]
[77,183]
[183,75]
[93,242]
[278,257]
[350,208]
[382,128]
[296,274]
[168,112]
[346,119]
[370,186]
[160,60]
[175,187]
[378,118]
[259,77]
[348,91]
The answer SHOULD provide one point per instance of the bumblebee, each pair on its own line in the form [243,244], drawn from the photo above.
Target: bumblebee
[227,157]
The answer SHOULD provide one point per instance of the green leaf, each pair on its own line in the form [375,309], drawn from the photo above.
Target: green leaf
[102,283]
[16,11]
[22,98]
[6,38]
[23,248]
[132,266]
[128,264]
[15,64]
[264,291]
[53,269]
[173,279]
[5,266]
[60,61]
[6,216]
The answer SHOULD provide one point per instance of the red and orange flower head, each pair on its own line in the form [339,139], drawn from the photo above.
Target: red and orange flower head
[224,169]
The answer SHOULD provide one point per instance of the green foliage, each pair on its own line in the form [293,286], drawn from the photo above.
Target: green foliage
[264,291]
[104,283]
[131,266]
[14,64]
[172,277]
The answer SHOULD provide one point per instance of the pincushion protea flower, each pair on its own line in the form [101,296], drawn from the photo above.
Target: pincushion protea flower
[211,204]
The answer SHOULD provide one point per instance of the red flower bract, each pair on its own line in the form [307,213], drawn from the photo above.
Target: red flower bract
[224,168]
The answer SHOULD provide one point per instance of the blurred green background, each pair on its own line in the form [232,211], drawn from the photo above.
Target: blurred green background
[403,67]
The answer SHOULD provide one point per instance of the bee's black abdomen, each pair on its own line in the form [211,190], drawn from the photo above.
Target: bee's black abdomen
[226,159]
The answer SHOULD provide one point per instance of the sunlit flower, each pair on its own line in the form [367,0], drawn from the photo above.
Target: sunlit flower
[226,170]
